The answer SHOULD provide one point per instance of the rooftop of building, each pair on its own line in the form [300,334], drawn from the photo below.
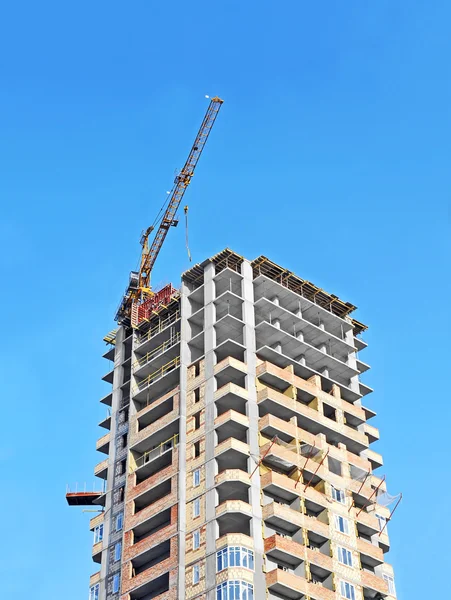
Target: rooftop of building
[263,266]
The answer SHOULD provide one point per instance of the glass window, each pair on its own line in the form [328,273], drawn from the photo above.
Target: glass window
[234,556]
[116,583]
[338,495]
[341,524]
[235,590]
[119,521]
[98,534]
[118,551]
[196,507]
[196,477]
[196,540]
[347,590]
[391,584]
[196,574]
[344,556]
[94,592]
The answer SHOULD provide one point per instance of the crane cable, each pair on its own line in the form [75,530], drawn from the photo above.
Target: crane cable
[186,227]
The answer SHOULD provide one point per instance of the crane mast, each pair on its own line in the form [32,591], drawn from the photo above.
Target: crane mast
[139,287]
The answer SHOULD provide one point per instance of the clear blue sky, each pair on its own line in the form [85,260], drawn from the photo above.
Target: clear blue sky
[331,156]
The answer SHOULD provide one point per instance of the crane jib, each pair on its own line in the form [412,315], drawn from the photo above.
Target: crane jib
[134,295]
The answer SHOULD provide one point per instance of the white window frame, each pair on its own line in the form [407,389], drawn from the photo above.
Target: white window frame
[390,582]
[116,583]
[196,477]
[347,590]
[196,508]
[344,556]
[196,574]
[234,556]
[119,521]
[118,551]
[235,589]
[381,520]
[196,539]
[98,533]
[94,591]
[345,524]
[338,495]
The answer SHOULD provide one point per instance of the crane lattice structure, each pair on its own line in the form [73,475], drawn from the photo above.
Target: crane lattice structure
[139,288]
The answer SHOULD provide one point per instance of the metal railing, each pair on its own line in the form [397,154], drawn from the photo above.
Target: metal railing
[156,452]
[159,327]
[140,362]
[158,374]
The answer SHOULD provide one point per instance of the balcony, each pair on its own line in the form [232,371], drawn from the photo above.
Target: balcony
[106,422]
[155,589]
[228,280]
[101,469]
[154,411]
[312,313]
[275,403]
[153,460]
[158,357]
[371,554]
[314,334]
[229,327]
[156,433]
[232,454]
[108,399]
[159,382]
[103,444]
[234,516]
[290,353]
[231,396]
[280,549]
[108,377]
[371,432]
[97,552]
[231,424]
[292,586]
[373,585]
[154,337]
[233,484]
[230,370]
[95,578]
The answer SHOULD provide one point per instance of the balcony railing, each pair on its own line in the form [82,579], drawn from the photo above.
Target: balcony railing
[143,360]
[158,374]
[155,452]
[159,327]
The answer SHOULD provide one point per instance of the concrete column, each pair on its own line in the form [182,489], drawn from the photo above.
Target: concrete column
[352,361]
[210,442]
[185,360]
[255,491]
[108,522]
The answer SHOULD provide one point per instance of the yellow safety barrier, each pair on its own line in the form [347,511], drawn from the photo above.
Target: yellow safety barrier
[157,351]
[158,374]
[172,442]
[159,327]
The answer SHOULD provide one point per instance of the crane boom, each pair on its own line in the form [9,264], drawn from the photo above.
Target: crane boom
[139,285]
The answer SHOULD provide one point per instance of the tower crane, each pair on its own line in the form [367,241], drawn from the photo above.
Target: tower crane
[139,288]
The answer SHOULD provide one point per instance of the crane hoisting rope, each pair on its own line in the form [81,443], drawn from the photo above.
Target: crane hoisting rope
[186,228]
[139,287]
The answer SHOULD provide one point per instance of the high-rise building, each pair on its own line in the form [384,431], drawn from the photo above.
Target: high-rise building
[238,447]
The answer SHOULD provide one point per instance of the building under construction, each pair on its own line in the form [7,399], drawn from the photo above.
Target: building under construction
[238,462]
